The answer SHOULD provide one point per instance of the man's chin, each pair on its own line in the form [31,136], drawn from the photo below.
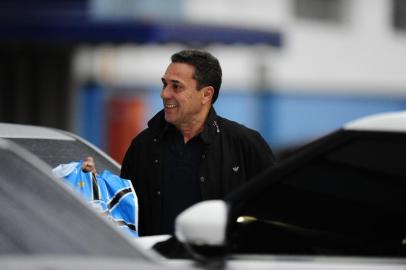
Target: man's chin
[169,118]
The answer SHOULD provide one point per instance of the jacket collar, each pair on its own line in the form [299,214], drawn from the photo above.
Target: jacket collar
[211,127]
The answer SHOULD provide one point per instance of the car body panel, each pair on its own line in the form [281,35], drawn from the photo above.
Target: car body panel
[388,121]
[70,262]
[9,130]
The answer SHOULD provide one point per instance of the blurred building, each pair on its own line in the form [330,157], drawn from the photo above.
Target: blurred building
[293,69]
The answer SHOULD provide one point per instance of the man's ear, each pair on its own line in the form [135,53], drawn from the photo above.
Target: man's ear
[208,93]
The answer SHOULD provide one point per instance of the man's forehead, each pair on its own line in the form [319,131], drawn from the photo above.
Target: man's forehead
[179,72]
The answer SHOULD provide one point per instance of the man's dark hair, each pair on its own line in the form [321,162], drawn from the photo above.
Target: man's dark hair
[207,68]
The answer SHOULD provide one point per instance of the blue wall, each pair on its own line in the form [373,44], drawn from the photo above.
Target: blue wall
[300,118]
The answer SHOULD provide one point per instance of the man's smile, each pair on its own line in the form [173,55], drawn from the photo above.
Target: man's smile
[170,106]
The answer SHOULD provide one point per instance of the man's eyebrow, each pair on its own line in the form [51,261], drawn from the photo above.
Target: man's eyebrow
[172,81]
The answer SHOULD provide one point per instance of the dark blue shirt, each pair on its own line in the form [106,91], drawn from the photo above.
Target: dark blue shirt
[180,182]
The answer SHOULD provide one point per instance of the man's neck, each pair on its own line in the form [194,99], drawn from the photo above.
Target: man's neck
[195,127]
[189,133]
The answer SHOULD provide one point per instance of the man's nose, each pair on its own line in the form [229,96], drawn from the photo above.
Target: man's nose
[165,93]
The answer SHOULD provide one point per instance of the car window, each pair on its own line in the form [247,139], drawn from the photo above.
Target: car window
[347,195]
[55,152]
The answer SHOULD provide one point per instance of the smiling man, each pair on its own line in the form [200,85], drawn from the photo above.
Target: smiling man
[188,153]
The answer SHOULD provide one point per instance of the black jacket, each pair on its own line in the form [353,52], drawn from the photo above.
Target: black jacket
[233,154]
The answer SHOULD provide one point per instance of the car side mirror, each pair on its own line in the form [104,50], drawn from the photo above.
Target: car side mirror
[202,229]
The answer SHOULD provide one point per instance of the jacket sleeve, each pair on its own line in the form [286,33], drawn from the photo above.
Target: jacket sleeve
[127,167]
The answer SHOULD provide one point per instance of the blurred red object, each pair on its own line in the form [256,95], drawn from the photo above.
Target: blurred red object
[125,120]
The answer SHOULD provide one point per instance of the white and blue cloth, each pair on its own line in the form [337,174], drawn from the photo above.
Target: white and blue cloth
[110,194]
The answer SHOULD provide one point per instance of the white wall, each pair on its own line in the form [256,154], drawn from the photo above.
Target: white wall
[143,66]
[362,55]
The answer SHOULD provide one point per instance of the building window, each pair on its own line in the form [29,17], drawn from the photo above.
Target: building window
[320,10]
[399,14]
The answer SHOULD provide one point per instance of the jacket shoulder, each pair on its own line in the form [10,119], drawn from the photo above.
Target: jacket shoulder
[235,129]
[144,136]
[153,129]
[242,135]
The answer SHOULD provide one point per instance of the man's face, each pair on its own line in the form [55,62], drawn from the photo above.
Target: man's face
[181,99]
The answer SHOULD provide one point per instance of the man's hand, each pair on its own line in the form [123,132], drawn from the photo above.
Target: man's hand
[88,165]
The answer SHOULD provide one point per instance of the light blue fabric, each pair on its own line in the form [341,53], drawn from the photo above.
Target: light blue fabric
[108,193]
